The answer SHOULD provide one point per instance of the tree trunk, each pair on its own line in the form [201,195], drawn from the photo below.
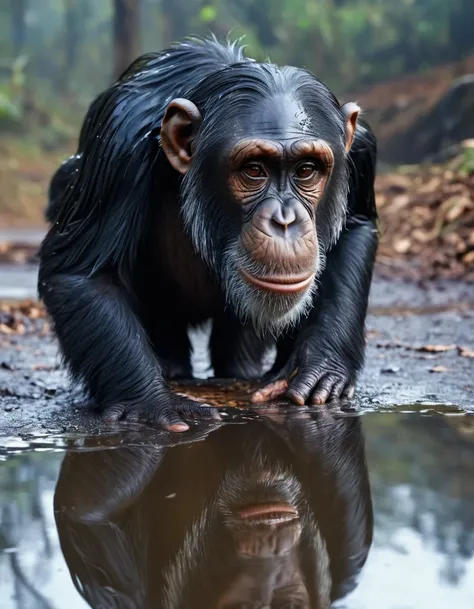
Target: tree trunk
[73,28]
[18,25]
[175,16]
[126,34]
[75,17]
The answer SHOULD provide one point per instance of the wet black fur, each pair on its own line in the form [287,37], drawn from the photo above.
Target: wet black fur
[122,285]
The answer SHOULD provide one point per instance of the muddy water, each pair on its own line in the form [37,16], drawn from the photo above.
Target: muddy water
[279,510]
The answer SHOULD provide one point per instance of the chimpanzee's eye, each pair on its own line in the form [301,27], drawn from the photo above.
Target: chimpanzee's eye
[255,171]
[305,171]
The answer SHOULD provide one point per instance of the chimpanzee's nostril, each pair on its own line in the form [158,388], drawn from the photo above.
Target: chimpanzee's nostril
[283,217]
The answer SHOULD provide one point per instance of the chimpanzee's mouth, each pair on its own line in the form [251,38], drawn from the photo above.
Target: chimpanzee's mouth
[281,284]
[274,513]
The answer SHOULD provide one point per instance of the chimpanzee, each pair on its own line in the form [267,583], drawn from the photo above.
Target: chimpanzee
[276,512]
[210,186]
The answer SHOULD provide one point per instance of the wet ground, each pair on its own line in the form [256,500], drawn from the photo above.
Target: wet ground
[283,510]
[420,352]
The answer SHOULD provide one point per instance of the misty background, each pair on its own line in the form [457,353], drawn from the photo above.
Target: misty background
[55,53]
[409,64]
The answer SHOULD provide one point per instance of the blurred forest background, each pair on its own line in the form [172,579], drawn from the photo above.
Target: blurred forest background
[410,65]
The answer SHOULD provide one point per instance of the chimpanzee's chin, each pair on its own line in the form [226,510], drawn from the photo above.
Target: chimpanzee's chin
[268,312]
[275,312]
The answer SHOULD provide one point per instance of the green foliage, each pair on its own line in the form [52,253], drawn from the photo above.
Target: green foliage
[18,77]
[208,13]
[12,92]
[347,43]
[467,161]
[9,111]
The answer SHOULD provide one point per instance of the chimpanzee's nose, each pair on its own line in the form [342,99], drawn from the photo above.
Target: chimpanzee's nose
[282,218]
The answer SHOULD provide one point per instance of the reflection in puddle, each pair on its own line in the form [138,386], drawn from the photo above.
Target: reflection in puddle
[258,515]
[273,512]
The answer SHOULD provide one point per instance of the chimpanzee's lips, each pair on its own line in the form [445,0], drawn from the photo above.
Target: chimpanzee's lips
[282,284]
[273,513]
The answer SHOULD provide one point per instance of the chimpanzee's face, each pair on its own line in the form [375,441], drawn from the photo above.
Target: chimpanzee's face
[277,178]
[271,172]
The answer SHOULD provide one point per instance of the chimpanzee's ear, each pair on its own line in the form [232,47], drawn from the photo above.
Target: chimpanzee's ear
[351,112]
[179,126]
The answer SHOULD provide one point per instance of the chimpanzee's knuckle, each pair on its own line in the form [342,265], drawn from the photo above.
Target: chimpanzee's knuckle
[133,415]
[112,412]
[195,411]
[302,387]
[165,417]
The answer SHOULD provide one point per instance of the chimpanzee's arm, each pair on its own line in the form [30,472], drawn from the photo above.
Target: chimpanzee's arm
[329,349]
[329,457]
[95,484]
[336,331]
[106,347]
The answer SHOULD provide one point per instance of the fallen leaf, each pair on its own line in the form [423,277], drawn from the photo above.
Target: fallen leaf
[402,246]
[465,352]
[458,206]
[435,348]
[430,186]
[422,236]
[398,183]
[4,329]
[21,329]
[399,202]
[43,367]
[439,369]
[372,334]
[469,258]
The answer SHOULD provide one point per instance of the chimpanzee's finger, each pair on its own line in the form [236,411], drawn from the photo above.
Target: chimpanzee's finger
[323,390]
[337,389]
[302,385]
[113,413]
[349,392]
[270,392]
[170,420]
[166,418]
[199,411]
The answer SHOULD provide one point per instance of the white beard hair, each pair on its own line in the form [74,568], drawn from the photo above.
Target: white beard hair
[267,313]
[190,555]
[188,558]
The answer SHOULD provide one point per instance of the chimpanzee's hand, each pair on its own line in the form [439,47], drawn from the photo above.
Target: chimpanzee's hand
[315,373]
[169,411]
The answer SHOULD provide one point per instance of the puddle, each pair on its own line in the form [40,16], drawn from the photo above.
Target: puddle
[275,510]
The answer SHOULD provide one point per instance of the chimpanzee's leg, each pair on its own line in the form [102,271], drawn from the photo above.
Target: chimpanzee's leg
[236,350]
[173,348]
[59,182]
[284,349]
